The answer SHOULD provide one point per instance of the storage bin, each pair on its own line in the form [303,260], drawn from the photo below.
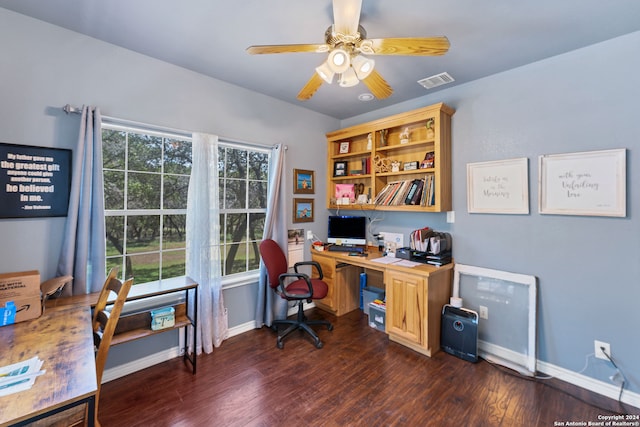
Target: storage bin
[369,294]
[162,318]
[377,318]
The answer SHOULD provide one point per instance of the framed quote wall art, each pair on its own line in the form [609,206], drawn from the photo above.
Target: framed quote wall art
[34,181]
[591,183]
[500,187]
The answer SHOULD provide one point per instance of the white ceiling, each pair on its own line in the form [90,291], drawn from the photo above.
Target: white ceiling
[210,37]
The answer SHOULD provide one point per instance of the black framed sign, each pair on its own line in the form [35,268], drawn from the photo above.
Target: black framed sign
[34,181]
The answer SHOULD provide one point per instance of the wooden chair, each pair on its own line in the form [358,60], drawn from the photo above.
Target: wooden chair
[104,325]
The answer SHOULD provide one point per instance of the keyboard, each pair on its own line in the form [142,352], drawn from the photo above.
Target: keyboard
[340,248]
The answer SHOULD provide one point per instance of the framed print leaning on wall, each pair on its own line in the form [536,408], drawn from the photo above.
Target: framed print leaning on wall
[500,187]
[591,183]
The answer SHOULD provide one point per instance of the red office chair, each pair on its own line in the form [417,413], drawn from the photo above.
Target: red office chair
[300,290]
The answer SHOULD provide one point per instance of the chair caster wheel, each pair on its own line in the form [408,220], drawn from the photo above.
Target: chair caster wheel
[319,344]
[280,345]
[330,328]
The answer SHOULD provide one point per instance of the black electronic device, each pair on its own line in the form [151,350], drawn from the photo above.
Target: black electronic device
[459,332]
[404,253]
[347,230]
[351,249]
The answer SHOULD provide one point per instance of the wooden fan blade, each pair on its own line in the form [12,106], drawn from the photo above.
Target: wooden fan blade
[310,88]
[346,16]
[287,48]
[407,46]
[377,85]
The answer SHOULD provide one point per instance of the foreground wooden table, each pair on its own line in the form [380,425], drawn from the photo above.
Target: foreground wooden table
[62,338]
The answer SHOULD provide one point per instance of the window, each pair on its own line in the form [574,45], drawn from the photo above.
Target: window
[243,176]
[146,180]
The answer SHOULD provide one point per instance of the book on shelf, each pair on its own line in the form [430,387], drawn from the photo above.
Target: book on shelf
[428,193]
[366,165]
[415,197]
[407,192]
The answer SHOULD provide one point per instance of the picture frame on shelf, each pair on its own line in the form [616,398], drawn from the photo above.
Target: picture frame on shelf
[303,210]
[303,181]
[429,161]
[344,148]
[339,169]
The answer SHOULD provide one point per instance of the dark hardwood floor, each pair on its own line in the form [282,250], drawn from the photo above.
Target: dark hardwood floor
[359,378]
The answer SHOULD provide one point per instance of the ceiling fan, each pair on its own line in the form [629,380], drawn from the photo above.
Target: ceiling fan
[347,44]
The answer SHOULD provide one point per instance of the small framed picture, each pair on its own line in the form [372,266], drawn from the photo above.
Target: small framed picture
[303,181]
[429,160]
[344,147]
[340,169]
[302,210]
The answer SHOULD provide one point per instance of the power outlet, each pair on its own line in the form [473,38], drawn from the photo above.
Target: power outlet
[484,312]
[451,217]
[599,345]
[309,235]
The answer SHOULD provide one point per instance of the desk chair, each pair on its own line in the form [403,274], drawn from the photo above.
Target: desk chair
[104,325]
[302,289]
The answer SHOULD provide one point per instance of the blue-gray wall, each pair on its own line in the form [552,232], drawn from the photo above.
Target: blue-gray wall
[43,67]
[587,267]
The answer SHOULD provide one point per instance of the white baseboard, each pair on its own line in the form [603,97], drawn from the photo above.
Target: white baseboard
[605,389]
[142,363]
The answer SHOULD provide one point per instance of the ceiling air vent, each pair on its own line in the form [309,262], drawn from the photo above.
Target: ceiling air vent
[437,80]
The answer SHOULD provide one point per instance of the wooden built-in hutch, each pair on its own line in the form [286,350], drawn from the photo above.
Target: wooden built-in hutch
[383,159]
[417,142]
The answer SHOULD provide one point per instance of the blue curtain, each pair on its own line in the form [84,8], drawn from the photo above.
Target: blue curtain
[269,305]
[83,248]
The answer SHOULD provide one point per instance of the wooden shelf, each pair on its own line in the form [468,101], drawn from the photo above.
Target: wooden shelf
[429,131]
[138,325]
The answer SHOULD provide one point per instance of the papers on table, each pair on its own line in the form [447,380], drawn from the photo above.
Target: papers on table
[395,261]
[19,376]
[386,260]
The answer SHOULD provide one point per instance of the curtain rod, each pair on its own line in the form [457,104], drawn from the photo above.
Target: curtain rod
[70,109]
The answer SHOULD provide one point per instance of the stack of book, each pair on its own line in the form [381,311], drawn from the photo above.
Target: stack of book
[409,192]
[440,259]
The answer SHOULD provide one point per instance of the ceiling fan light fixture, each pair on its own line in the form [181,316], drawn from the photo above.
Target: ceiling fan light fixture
[348,78]
[339,60]
[363,66]
[325,72]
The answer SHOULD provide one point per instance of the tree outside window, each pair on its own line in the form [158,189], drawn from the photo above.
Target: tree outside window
[146,180]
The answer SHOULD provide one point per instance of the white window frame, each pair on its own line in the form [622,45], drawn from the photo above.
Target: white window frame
[231,280]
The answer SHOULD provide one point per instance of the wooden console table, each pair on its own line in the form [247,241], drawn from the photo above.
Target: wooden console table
[63,339]
[133,326]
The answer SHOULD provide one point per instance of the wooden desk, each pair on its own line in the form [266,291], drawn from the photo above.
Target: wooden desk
[414,295]
[63,339]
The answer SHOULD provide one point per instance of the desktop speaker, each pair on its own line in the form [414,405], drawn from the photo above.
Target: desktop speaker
[459,332]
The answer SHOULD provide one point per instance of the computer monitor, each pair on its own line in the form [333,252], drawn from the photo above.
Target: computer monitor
[347,230]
